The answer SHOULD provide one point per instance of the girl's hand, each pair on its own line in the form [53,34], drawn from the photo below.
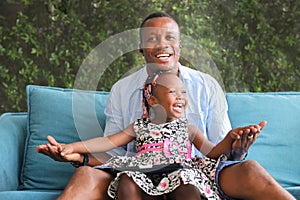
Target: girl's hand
[59,152]
[244,137]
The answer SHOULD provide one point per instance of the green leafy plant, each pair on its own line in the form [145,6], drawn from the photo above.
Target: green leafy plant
[254,44]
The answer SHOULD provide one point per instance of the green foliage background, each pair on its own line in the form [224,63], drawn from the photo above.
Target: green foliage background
[255,44]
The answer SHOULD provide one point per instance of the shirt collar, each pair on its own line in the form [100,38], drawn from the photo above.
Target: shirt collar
[183,75]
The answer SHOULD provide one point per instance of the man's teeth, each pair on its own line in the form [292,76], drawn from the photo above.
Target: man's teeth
[163,55]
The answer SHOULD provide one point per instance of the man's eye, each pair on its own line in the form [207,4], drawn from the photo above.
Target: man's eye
[169,37]
[151,39]
[172,91]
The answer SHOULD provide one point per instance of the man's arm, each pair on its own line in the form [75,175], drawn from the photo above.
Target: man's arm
[114,118]
[218,123]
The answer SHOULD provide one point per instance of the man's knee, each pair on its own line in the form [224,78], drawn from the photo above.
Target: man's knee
[89,183]
[249,171]
[92,175]
[249,165]
[84,170]
[252,168]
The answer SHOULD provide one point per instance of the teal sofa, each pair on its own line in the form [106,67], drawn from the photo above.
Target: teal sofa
[73,115]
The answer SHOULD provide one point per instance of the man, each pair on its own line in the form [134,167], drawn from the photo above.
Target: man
[160,46]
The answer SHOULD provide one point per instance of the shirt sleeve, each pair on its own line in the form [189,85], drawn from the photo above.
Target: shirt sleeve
[114,122]
[218,123]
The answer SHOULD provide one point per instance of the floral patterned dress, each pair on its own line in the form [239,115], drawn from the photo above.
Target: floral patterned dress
[165,144]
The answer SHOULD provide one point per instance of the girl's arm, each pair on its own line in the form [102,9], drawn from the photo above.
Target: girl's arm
[99,144]
[53,150]
[199,141]
[238,135]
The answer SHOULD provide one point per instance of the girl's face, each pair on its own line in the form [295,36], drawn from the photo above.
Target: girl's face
[170,94]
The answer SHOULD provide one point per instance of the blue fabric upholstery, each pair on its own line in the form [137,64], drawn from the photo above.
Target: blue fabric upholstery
[30,195]
[277,148]
[69,115]
[12,139]
[72,115]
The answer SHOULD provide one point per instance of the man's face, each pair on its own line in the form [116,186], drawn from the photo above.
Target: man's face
[160,41]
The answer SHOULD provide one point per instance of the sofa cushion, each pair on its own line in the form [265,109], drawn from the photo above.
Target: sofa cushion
[272,148]
[30,194]
[68,115]
[12,138]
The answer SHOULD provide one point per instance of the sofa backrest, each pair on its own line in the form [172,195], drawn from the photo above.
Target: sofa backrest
[12,139]
[73,115]
[277,148]
[68,115]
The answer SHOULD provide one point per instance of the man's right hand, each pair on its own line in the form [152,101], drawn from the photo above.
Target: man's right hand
[53,150]
[246,137]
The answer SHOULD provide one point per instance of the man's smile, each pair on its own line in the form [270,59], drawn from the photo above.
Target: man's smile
[163,57]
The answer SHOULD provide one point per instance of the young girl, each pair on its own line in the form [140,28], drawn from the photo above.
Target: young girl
[164,137]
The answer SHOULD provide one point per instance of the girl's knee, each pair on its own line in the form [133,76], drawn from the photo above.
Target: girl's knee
[128,189]
[186,192]
[127,182]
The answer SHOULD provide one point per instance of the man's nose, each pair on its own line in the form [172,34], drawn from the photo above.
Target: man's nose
[161,43]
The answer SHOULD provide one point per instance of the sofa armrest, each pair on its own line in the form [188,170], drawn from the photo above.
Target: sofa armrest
[13,133]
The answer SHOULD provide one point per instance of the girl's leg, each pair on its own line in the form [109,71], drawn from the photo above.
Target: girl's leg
[186,192]
[248,180]
[128,189]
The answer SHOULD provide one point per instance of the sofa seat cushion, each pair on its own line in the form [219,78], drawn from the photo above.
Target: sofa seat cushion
[30,194]
[276,148]
[68,115]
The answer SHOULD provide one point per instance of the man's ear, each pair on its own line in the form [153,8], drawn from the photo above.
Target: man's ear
[180,44]
[141,49]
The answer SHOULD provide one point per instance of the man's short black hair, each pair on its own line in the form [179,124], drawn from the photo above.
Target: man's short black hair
[155,15]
